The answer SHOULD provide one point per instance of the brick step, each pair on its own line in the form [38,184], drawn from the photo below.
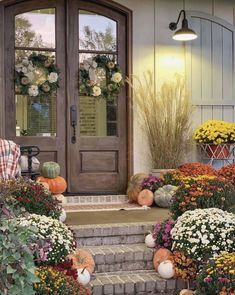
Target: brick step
[133,283]
[110,258]
[111,234]
[96,199]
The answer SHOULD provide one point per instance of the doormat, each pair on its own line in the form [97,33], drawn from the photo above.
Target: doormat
[103,207]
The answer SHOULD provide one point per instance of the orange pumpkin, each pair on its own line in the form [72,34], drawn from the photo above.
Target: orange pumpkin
[57,185]
[134,186]
[82,259]
[145,198]
[161,255]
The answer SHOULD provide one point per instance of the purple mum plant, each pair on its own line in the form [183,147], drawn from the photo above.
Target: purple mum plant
[152,183]
[162,234]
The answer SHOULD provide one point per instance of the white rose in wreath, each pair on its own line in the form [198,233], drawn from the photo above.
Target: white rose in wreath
[53,77]
[117,77]
[33,90]
[25,62]
[96,91]
[30,76]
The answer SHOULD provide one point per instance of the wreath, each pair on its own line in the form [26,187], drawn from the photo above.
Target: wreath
[100,77]
[36,76]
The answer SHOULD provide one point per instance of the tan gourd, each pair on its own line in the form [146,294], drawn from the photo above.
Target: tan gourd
[134,186]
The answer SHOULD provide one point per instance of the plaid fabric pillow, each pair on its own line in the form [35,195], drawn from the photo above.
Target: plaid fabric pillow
[9,158]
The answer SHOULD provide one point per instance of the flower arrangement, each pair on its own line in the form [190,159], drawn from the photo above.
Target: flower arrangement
[173,178]
[217,276]
[196,169]
[61,238]
[228,172]
[35,198]
[202,192]
[162,234]
[185,267]
[215,132]
[91,84]
[168,145]
[152,183]
[36,76]
[201,233]
[53,281]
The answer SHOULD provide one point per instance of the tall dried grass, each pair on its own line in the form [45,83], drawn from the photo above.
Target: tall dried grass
[165,117]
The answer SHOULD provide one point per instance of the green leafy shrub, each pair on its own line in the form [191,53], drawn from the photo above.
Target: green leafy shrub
[17,266]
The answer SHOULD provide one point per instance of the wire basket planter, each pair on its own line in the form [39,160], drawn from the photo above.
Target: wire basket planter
[211,152]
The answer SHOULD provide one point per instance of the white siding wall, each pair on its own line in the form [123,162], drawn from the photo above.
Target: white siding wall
[208,62]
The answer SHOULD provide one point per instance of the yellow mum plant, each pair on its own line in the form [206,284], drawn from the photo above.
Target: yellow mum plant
[215,132]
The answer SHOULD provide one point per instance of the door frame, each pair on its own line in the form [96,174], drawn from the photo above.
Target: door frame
[129,102]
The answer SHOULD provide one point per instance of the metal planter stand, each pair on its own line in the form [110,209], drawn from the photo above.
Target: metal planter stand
[222,152]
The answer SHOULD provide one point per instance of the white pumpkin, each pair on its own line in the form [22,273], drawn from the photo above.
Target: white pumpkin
[163,195]
[24,163]
[84,276]
[166,269]
[63,216]
[150,241]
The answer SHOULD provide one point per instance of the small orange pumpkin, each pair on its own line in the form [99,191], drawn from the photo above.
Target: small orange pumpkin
[145,198]
[161,255]
[57,185]
[134,186]
[82,259]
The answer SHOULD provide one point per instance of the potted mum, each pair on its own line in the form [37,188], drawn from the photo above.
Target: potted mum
[165,117]
[216,138]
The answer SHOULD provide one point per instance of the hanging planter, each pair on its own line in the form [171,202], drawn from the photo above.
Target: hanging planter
[220,151]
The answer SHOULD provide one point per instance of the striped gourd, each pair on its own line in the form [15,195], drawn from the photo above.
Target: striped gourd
[50,169]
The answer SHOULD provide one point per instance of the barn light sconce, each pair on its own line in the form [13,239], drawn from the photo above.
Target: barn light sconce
[185,33]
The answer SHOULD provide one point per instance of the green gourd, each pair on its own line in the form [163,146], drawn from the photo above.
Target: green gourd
[50,169]
[163,195]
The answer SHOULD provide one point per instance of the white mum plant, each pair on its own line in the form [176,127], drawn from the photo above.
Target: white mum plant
[60,237]
[204,232]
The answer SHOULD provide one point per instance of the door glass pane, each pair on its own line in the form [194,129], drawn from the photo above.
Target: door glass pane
[35,115]
[96,32]
[35,29]
[98,116]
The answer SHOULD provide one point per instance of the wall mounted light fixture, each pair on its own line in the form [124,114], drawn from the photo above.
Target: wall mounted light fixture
[185,33]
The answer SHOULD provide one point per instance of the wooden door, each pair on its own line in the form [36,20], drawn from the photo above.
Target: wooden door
[98,158]
[36,26]
[93,152]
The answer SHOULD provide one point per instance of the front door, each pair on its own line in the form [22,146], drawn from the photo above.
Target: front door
[86,135]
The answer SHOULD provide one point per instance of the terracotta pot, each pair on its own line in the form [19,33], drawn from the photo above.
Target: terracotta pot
[160,172]
[221,151]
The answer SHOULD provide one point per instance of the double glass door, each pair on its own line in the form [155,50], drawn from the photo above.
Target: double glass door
[86,135]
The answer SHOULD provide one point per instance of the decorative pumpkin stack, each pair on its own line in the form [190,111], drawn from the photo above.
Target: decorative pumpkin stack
[163,264]
[53,182]
[50,174]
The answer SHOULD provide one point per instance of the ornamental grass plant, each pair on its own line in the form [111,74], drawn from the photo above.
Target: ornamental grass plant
[165,117]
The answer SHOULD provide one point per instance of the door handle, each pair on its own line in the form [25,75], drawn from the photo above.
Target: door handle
[73,121]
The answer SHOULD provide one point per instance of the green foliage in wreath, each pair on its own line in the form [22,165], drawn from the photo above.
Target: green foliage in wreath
[36,76]
[107,87]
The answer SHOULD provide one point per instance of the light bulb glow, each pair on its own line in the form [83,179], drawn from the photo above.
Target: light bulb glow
[184,37]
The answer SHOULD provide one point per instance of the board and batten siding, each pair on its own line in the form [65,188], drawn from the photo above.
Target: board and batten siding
[210,65]
[208,62]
